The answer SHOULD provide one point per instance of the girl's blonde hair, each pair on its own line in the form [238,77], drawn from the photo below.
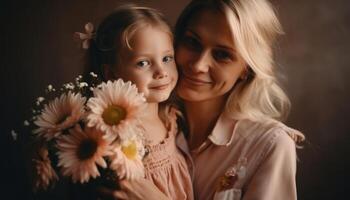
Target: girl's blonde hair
[254,26]
[115,32]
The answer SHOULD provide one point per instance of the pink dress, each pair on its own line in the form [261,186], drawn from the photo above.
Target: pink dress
[166,166]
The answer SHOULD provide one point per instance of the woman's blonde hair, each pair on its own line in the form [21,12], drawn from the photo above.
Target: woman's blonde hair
[254,26]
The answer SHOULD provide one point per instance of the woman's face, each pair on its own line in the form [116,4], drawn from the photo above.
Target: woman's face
[207,59]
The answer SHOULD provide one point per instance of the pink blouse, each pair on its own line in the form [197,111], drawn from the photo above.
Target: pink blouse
[245,160]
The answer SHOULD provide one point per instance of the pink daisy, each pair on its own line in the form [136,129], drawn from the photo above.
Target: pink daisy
[116,108]
[61,113]
[80,152]
[44,174]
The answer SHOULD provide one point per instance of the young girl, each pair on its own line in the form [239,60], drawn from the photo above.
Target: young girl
[136,44]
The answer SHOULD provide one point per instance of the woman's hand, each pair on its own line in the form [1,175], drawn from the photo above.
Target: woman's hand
[134,190]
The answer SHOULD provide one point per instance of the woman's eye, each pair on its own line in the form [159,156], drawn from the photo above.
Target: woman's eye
[143,63]
[222,55]
[168,59]
[191,43]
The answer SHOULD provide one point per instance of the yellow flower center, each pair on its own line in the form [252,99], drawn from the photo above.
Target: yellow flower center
[112,115]
[130,150]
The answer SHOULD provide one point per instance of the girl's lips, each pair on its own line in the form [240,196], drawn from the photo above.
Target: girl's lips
[160,87]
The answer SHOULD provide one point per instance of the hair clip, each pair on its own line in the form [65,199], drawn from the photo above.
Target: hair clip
[87,36]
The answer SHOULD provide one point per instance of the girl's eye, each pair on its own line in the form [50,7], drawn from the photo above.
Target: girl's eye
[168,59]
[191,43]
[222,55]
[143,63]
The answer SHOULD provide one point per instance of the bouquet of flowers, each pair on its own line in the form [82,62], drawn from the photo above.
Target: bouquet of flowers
[83,129]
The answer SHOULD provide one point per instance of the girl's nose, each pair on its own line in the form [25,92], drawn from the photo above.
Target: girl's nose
[159,72]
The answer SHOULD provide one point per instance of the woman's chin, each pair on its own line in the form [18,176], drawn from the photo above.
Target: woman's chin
[189,95]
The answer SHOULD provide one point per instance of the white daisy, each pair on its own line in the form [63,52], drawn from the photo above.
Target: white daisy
[81,151]
[61,113]
[116,108]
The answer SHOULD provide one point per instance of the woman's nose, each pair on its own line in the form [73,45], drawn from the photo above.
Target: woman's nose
[201,62]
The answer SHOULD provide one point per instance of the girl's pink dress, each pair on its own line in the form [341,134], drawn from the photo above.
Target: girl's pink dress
[166,167]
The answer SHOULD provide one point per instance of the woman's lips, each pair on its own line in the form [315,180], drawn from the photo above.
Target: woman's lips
[196,81]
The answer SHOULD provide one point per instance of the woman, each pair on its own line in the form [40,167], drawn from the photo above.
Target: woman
[236,146]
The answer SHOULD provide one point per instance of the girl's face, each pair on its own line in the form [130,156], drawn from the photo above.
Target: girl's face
[207,58]
[150,63]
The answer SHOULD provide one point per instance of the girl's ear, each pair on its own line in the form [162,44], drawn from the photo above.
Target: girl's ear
[107,72]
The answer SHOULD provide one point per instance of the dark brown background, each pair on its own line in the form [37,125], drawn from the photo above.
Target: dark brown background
[37,49]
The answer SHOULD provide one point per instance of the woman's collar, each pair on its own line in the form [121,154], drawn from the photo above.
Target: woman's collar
[224,130]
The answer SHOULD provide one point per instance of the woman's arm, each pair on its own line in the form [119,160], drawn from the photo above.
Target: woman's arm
[275,176]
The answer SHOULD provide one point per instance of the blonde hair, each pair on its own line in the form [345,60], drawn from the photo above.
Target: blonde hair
[254,26]
[115,32]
